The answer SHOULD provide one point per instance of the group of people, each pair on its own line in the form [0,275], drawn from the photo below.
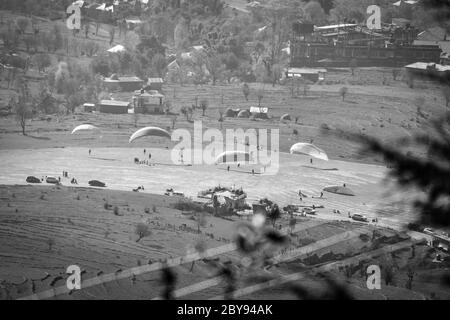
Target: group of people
[66,175]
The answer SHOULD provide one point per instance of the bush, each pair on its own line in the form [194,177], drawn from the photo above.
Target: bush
[187,205]
[142,231]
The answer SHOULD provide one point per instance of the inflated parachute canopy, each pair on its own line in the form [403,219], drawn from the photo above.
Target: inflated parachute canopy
[309,150]
[148,132]
[233,157]
[85,127]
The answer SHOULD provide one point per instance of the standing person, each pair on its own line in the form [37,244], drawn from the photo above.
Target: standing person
[311,161]
[89,151]
[145,151]
[300,195]
[321,194]
[228,168]
[149,156]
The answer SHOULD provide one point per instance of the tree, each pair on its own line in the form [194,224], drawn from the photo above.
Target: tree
[43,61]
[343,91]
[246,91]
[47,41]
[159,64]
[203,106]
[315,13]
[23,112]
[22,108]
[142,231]
[215,67]
[260,96]
[30,42]
[22,24]
[135,118]
[274,214]
[277,71]
[353,65]
[58,38]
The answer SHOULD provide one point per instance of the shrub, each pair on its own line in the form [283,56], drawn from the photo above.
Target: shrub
[142,231]
[187,205]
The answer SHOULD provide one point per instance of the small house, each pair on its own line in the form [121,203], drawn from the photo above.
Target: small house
[148,102]
[114,106]
[89,107]
[311,74]
[154,84]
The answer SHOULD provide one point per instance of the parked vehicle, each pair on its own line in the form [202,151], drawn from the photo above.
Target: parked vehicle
[31,179]
[309,211]
[359,217]
[96,183]
[52,180]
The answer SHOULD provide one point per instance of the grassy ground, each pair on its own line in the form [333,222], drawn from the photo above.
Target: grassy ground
[45,229]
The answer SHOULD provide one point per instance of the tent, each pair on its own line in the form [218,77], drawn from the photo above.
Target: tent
[116,49]
[230,113]
[243,114]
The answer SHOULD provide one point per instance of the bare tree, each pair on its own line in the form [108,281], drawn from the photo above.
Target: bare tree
[446,93]
[343,92]
[246,91]
[260,96]
[203,106]
[142,231]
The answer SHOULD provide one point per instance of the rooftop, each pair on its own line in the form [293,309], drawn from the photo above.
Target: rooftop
[114,103]
[425,66]
[124,79]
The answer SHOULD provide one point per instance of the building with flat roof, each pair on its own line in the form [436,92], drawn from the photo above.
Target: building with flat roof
[123,84]
[114,106]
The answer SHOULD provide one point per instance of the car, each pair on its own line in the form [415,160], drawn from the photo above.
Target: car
[309,211]
[52,180]
[359,217]
[31,179]
[96,183]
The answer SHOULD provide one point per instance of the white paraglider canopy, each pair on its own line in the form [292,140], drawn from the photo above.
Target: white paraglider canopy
[233,157]
[85,127]
[149,131]
[309,150]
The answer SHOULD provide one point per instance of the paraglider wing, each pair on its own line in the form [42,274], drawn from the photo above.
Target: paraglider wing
[233,156]
[149,131]
[84,127]
[309,149]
